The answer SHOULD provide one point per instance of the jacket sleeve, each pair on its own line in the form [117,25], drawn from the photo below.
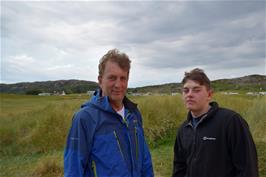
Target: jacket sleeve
[242,148]
[179,164]
[147,169]
[78,147]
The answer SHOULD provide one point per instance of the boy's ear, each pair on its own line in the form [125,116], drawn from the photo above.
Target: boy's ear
[210,93]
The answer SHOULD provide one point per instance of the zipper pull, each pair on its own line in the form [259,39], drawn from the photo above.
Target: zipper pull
[125,122]
[125,119]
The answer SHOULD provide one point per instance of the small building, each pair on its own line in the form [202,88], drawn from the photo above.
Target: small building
[174,93]
[230,93]
[44,94]
[90,92]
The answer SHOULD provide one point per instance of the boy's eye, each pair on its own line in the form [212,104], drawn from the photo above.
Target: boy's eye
[196,90]
[185,90]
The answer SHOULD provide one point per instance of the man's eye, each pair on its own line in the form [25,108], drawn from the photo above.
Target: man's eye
[123,79]
[112,78]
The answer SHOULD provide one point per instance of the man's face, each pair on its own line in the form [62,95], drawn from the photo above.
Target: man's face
[113,82]
[196,97]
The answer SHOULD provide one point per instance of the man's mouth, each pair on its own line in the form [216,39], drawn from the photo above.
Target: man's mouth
[117,92]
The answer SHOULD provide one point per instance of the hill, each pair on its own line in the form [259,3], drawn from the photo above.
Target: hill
[68,86]
[163,88]
[246,83]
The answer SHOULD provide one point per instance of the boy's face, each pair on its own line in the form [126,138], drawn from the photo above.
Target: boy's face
[196,97]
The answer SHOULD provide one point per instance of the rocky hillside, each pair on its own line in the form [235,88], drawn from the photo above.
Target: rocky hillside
[246,83]
[68,86]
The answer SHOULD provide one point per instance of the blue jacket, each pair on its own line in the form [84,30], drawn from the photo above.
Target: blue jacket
[101,143]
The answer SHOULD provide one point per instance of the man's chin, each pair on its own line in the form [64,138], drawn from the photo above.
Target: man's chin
[117,98]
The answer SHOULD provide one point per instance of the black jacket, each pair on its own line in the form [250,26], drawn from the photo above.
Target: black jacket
[219,146]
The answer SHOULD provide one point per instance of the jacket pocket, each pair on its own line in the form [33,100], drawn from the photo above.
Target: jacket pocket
[118,144]
[108,154]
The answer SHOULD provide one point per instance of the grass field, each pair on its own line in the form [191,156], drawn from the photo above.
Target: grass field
[33,130]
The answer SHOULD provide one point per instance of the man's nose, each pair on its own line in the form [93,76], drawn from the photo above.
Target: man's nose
[118,83]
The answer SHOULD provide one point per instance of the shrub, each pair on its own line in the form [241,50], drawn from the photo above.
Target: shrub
[48,166]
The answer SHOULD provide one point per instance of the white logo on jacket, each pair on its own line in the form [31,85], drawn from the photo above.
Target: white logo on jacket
[208,138]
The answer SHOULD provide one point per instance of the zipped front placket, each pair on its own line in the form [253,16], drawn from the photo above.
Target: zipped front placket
[189,125]
[194,149]
[194,158]
[125,122]
[130,143]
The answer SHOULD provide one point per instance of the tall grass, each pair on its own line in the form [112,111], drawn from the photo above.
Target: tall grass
[257,119]
[32,128]
[161,116]
[48,166]
[34,124]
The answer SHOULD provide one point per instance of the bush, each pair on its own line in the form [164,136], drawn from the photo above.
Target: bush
[161,117]
[33,92]
[49,166]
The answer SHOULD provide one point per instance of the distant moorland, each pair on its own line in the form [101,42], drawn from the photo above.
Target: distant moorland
[249,83]
[33,129]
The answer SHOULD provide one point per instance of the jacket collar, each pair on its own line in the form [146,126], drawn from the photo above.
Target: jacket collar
[102,102]
[208,115]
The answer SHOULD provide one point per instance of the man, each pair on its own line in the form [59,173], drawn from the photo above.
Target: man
[106,138]
[213,141]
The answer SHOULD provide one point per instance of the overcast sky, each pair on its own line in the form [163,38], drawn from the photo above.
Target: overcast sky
[43,41]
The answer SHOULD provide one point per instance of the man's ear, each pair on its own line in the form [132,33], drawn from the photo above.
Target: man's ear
[100,80]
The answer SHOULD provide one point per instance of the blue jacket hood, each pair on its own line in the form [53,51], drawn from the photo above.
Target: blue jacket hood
[102,102]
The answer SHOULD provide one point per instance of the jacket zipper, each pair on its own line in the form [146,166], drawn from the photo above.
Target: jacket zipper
[194,155]
[136,139]
[194,146]
[94,168]
[124,120]
[137,143]
[130,143]
[119,145]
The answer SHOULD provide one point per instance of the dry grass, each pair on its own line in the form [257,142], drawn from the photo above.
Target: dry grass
[49,166]
[32,127]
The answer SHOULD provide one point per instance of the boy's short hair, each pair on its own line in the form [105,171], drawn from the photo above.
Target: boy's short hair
[199,76]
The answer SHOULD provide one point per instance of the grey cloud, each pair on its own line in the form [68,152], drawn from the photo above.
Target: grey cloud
[159,35]
[213,43]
